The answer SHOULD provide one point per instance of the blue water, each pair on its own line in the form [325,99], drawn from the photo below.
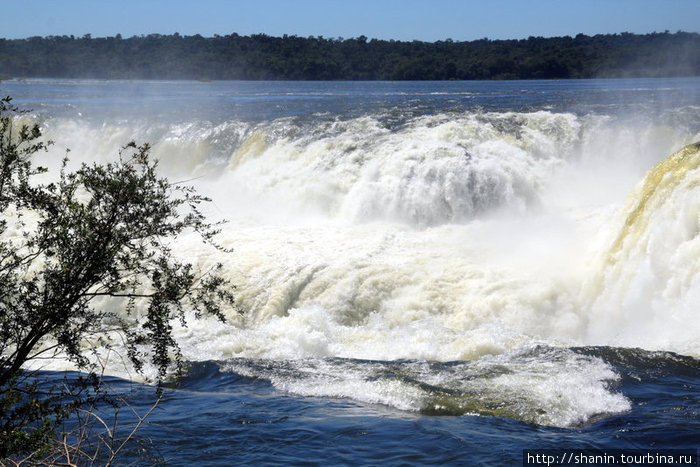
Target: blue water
[262,100]
[219,418]
[288,401]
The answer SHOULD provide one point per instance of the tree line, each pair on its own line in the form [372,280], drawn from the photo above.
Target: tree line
[263,57]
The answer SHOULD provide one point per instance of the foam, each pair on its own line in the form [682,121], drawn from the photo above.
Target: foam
[449,238]
[541,385]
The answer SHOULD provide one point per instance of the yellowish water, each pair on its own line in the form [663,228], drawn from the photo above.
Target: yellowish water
[659,182]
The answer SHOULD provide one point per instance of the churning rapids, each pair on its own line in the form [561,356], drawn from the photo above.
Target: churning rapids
[439,248]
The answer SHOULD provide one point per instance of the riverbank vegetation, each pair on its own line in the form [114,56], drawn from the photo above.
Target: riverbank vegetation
[87,271]
[263,57]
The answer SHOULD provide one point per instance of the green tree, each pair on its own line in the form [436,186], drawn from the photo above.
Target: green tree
[100,232]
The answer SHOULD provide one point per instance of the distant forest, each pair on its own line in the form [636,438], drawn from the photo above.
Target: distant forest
[262,57]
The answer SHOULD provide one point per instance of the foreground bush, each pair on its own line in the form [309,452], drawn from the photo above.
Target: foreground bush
[101,231]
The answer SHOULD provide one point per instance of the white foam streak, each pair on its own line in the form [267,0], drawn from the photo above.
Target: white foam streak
[539,385]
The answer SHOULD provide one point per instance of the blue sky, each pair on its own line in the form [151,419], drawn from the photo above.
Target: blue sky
[426,20]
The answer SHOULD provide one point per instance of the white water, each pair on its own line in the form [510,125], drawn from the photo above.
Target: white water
[467,237]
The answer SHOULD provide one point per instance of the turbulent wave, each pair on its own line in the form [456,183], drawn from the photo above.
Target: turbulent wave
[440,263]
[542,385]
